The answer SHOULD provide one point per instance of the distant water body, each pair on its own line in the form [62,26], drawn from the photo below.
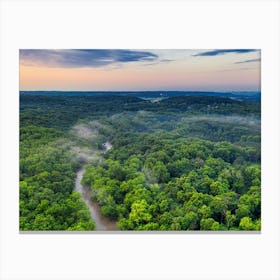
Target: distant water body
[150,94]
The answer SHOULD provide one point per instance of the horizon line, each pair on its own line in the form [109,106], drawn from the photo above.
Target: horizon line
[224,91]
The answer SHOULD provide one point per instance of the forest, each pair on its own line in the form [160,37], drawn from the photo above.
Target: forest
[176,164]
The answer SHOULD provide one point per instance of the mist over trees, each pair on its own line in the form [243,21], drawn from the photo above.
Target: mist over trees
[182,163]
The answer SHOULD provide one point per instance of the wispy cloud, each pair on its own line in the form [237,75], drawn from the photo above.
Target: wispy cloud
[234,70]
[224,51]
[248,61]
[167,60]
[158,62]
[82,58]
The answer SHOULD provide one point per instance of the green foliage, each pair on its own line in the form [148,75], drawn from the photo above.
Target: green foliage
[246,223]
[209,224]
[47,174]
[185,163]
[202,198]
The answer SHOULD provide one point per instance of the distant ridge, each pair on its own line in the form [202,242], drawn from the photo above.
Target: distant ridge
[249,95]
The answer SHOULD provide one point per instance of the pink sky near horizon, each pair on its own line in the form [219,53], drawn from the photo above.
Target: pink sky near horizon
[173,70]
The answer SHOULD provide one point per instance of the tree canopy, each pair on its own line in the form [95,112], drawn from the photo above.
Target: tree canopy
[184,163]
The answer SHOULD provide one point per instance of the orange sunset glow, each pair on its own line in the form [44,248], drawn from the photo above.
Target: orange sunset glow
[93,70]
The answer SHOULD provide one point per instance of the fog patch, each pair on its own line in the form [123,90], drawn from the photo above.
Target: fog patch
[84,154]
[150,176]
[107,146]
[144,113]
[87,131]
[249,121]
[86,144]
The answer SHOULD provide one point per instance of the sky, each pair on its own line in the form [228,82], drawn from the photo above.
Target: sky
[137,70]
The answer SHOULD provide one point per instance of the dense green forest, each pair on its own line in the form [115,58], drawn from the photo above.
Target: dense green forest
[181,163]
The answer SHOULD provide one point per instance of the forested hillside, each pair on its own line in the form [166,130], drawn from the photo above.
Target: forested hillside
[181,163]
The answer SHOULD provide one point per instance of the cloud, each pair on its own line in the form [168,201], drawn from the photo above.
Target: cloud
[82,57]
[248,61]
[167,60]
[158,62]
[224,51]
[234,70]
